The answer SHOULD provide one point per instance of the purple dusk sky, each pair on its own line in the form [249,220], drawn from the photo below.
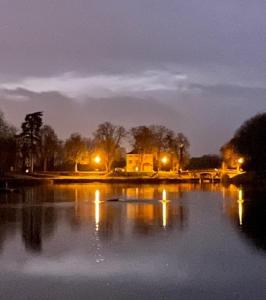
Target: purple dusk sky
[196,66]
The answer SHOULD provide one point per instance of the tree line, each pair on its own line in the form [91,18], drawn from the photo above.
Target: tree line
[248,146]
[37,147]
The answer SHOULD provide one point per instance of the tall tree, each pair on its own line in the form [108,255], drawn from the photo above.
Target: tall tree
[108,138]
[76,150]
[7,144]
[156,139]
[250,142]
[180,149]
[49,146]
[209,161]
[162,137]
[143,140]
[31,135]
[230,155]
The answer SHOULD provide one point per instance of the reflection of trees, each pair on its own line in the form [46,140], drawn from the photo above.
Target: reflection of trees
[247,210]
[254,218]
[7,217]
[32,228]
[116,219]
[37,221]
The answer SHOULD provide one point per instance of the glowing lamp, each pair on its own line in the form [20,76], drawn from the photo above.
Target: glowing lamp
[164,160]
[97,159]
[241,160]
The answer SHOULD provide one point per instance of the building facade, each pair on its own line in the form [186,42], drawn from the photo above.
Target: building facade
[139,162]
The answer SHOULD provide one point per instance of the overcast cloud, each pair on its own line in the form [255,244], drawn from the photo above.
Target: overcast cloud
[205,61]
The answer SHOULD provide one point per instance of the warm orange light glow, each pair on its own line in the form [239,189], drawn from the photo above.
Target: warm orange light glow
[164,207]
[97,209]
[164,160]
[240,206]
[97,159]
[164,195]
[241,160]
[164,211]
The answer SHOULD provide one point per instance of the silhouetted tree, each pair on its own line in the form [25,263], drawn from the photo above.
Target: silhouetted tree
[230,155]
[142,139]
[156,139]
[31,135]
[108,138]
[204,162]
[7,144]
[49,146]
[179,147]
[161,137]
[250,142]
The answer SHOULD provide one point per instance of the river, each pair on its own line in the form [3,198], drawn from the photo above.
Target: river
[176,241]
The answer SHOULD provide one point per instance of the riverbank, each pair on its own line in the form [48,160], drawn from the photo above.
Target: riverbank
[249,179]
[44,179]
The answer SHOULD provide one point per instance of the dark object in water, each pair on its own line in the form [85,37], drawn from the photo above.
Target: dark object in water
[113,200]
[8,190]
[130,200]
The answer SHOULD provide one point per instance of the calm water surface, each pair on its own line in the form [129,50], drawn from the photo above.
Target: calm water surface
[165,242]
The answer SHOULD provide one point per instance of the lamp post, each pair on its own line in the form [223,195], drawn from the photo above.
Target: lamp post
[240,162]
[97,160]
[164,160]
[181,150]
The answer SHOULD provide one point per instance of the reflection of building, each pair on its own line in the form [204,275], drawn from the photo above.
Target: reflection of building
[139,162]
[139,192]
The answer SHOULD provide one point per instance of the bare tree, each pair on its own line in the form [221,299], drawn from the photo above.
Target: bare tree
[108,138]
[76,150]
[49,146]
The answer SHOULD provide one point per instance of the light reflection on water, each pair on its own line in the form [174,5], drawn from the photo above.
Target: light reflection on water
[166,235]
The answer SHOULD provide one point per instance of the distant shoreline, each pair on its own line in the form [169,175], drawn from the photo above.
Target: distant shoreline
[47,179]
[16,181]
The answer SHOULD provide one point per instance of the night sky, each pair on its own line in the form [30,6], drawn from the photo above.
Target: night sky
[195,66]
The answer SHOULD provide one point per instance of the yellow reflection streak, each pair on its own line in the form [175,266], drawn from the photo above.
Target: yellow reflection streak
[164,207]
[97,209]
[240,202]
[164,195]
[164,214]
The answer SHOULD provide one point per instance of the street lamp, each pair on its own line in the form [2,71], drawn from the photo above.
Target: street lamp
[164,160]
[240,161]
[97,159]
[181,150]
